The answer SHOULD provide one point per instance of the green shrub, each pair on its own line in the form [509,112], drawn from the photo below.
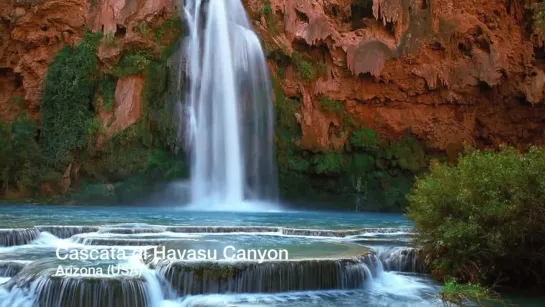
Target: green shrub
[268,12]
[364,139]
[66,108]
[304,66]
[20,157]
[107,91]
[332,106]
[484,219]
[330,163]
[539,17]
[132,64]
[287,131]
[407,154]
[143,28]
[169,26]
[464,294]
[109,39]
[168,35]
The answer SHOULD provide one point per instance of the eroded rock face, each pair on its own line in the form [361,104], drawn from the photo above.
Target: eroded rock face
[447,71]
[32,33]
[128,103]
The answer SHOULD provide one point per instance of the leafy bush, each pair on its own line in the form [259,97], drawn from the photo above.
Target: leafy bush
[66,108]
[109,39]
[332,106]
[539,17]
[132,64]
[484,219]
[364,139]
[107,91]
[330,163]
[20,157]
[268,12]
[304,66]
[407,154]
[461,294]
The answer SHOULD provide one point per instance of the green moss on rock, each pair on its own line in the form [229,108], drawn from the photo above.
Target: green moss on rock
[364,139]
[332,106]
[66,108]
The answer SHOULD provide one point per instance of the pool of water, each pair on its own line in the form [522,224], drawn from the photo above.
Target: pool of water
[31,215]
[37,232]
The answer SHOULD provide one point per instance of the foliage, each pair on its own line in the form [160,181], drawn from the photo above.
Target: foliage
[160,94]
[539,17]
[168,35]
[329,163]
[107,91]
[109,39]
[364,139]
[303,66]
[407,154]
[460,294]
[143,28]
[66,108]
[171,26]
[132,162]
[484,219]
[282,73]
[20,157]
[386,169]
[268,12]
[332,106]
[132,64]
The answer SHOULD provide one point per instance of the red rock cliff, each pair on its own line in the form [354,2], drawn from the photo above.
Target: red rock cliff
[33,31]
[447,71]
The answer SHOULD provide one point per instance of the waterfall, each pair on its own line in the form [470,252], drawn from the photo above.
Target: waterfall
[14,237]
[229,105]
[189,278]
[402,259]
[65,232]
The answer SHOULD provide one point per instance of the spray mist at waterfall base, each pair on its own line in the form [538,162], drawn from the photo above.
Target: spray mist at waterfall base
[178,194]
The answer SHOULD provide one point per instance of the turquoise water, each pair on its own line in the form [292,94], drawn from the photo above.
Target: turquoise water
[136,229]
[30,215]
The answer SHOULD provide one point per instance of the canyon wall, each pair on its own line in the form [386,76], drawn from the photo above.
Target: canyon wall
[440,73]
[368,92]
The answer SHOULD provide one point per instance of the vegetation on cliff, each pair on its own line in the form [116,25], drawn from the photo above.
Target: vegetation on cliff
[21,162]
[483,220]
[71,149]
[66,109]
[466,294]
[368,173]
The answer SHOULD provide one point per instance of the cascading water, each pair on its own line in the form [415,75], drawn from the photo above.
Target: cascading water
[229,103]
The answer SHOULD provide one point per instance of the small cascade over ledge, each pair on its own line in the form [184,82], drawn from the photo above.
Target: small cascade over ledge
[229,104]
[13,237]
[190,278]
[403,259]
